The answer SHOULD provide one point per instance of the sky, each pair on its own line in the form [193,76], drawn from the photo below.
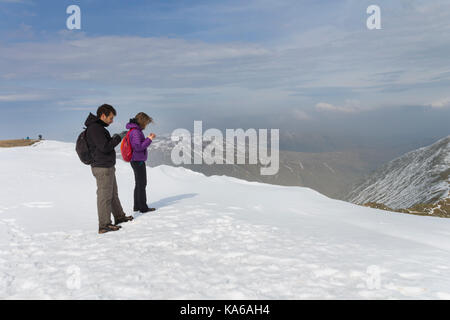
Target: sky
[308,68]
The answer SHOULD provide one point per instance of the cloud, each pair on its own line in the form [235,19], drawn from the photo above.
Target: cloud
[23,31]
[17,1]
[155,62]
[308,60]
[440,104]
[300,115]
[22,97]
[77,108]
[348,107]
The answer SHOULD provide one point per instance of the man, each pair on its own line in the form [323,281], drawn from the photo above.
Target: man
[101,146]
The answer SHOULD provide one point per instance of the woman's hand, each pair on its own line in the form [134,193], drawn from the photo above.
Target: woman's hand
[151,136]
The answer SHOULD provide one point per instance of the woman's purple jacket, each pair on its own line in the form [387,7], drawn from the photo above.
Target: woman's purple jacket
[139,143]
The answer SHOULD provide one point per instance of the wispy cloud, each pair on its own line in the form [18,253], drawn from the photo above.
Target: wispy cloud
[17,1]
[300,114]
[22,97]
[443,103]
[349,107]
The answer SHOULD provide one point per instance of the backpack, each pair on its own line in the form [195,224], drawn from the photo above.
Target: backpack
[125,148]
[82,148]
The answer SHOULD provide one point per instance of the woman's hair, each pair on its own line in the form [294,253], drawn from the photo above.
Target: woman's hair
[143,119]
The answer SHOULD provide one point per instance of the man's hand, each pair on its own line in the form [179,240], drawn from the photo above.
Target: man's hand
[151,136]
[122,134]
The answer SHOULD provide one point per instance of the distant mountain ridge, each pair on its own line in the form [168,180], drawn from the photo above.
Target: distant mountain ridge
[418,177]
[330,173]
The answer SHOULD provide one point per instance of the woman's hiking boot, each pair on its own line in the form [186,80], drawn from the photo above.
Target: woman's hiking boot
[123,219]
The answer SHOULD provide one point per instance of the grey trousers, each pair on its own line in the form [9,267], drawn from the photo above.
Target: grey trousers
[107,195]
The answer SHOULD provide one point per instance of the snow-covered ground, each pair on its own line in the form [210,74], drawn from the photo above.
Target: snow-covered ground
[211,238]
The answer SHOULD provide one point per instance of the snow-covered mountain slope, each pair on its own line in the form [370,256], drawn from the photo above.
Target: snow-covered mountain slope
[211,238]
[419,176]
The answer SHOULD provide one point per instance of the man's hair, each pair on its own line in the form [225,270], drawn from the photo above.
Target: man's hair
[143,119]
[106,109]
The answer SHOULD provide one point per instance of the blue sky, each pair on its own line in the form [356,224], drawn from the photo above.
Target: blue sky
[300,66]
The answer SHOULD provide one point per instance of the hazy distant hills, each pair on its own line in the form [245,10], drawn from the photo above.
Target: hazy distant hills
[330,173]
[418,177]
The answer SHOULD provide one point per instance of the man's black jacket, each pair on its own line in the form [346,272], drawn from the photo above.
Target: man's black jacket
[100,142]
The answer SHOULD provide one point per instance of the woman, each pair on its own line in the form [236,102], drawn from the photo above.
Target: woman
[139,144]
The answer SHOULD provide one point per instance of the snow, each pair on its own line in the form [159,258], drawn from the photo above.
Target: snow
[211,238]
[416,177]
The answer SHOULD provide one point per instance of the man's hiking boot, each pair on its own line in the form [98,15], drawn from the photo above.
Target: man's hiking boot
[147,210]
[123,219]
[108,228]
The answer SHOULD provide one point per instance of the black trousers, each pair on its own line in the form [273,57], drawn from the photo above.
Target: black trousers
[140,177]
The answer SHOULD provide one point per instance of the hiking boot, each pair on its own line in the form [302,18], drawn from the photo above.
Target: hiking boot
[147,210]
[108,228]
[123,219]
